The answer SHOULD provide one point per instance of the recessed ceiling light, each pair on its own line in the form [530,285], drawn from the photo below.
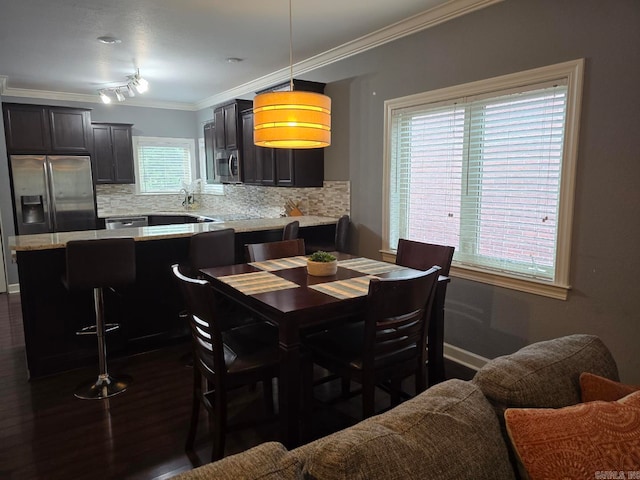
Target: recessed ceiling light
[234,60]
[109,40]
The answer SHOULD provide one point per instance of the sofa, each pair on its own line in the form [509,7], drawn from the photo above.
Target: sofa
[455,429]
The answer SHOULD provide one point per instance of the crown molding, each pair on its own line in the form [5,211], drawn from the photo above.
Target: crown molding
[80,97]
[429,18]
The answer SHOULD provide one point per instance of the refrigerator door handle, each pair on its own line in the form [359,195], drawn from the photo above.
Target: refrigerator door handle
[48,175]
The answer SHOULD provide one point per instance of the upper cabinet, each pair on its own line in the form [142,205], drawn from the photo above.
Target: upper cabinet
[227,124]
[40,129]
[282,167]
[112,153]
[209,149]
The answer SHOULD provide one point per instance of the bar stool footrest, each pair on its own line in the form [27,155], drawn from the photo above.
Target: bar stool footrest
[92,329]
[104,387]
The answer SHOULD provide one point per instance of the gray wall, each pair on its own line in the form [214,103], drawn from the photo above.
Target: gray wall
[509,37]
[150,122]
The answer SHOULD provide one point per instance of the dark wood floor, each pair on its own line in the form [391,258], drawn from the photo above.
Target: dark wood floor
[47,433]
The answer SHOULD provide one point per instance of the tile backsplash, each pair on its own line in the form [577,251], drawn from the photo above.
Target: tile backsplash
[331,200]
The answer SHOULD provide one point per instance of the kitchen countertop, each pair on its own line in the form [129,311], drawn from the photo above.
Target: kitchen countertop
[46,241]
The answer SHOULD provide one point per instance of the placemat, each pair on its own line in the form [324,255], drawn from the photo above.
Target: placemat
[368,266]
[281,263]
[350,288]
[257,282]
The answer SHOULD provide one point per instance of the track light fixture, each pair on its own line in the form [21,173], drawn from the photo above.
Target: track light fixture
[135,83]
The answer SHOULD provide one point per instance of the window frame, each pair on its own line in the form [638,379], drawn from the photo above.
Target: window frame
[159,141]
[572,72]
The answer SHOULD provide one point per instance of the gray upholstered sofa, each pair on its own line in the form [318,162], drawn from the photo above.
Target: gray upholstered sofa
[453,430]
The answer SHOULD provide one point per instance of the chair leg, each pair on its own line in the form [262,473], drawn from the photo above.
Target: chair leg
[368,398]
[421,379]
[195,409]
[267,387]
[219,425]
[307,398]
[396,388]
[345,386]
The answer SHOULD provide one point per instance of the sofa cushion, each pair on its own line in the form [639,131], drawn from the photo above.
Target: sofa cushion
[449,431]
[267,461]
[545,374]
[594,387]
[579,441]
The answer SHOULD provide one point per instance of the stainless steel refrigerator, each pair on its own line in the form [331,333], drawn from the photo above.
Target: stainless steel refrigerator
[52,193]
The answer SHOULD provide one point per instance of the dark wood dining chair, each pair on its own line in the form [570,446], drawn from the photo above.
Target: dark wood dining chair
[341,239]
[290,230]
[223,360]
[258,252]
[421,256]
[388,345]
[215,249]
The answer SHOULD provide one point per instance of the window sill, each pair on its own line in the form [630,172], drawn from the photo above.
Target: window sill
[559,292]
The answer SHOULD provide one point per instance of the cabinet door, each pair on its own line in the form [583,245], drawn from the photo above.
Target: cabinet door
[231,126]
[27,129]
[249,167]
[218,118]
[285,175]
[70,130]
[209,148]
[266,160]
[122,154]
[102,159]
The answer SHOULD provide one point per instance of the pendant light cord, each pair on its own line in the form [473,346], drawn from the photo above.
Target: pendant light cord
[290,47]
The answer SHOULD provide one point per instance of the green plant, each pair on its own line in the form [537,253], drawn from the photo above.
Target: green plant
[322,257]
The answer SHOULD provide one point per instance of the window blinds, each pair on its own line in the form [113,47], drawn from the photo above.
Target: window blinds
[163,166]
[482,174]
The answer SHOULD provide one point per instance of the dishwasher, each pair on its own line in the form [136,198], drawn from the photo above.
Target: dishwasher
[126,222]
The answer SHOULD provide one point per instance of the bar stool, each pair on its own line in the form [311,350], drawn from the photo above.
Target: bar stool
[99,264]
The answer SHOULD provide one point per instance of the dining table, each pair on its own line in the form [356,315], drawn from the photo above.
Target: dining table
[281,292]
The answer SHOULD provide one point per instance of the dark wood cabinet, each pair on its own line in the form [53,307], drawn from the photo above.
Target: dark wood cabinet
[277,166]
[227,122]
[209,152]
[47,130]
[112,153]
[280,166]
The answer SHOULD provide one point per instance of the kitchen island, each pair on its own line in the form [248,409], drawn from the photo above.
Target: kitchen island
[147,311]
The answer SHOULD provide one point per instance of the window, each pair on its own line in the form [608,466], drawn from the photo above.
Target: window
[163,164]
[489,168]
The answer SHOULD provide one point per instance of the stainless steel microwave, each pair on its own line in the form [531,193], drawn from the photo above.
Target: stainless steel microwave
[228,166]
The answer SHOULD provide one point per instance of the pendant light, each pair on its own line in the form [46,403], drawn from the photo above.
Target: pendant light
[293,119]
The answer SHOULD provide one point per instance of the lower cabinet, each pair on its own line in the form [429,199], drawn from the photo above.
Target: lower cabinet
[112,153]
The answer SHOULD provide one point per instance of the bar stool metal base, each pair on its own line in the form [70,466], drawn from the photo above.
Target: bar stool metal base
[104,387]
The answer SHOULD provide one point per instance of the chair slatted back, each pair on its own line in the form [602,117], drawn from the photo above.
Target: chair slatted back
[422,256]
[208,347]
[258,252]
[397,316]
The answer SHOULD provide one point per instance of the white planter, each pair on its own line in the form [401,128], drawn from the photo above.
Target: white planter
[322,269]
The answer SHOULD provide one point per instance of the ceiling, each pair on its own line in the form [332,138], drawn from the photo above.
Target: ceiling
[49,48]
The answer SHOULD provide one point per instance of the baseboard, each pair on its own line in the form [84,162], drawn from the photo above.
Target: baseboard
[463,357]
[13,288]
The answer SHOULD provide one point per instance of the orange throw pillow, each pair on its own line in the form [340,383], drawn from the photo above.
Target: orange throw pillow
[594,387]
[578,442]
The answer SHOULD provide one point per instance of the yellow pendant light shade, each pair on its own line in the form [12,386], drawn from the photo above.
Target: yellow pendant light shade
[294,119]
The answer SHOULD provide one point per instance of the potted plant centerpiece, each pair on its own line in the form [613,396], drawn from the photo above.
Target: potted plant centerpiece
[322,264]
